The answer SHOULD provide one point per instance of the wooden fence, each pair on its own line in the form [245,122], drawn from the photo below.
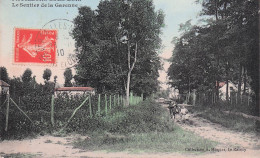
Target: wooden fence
[96,105]
[210,98]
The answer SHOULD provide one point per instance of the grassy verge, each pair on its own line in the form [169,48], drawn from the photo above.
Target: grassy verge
[143,128]
[228,120]
[18,155]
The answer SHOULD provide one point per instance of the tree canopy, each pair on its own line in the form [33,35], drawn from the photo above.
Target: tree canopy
[46,74]
[4,74]
[27,76]
[68,77]
[116,43]
[224,48]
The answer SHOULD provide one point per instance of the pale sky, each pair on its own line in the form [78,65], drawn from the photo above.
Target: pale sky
[176,12]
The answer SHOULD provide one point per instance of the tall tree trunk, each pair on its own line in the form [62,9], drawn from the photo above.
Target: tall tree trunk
[216,9]
[130,67]
[227,96]
[217,90]
[188,98]
[245,80]
[217,78]
[239,83]
[128,87]
[227,90]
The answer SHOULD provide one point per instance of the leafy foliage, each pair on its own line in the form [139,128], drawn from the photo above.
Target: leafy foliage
[46,74]
[224,48]
[27,75]
[68,77]
[148,114]
[4,74]
[112,39]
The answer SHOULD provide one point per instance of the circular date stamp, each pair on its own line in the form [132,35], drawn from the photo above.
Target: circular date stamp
[65,45]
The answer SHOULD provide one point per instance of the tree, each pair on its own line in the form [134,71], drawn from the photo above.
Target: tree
[55,79]
[27,76]
[4,74]
[241,36]
[46,75]
[224,49]
[68,77]
[114,42]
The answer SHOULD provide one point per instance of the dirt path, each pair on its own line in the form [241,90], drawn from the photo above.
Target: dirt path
[218,133]
[248,145]
[242,114]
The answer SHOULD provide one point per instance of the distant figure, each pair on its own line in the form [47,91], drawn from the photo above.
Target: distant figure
[174,109]
[184,112]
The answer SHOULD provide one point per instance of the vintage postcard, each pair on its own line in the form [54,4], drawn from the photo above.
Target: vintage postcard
[129,78]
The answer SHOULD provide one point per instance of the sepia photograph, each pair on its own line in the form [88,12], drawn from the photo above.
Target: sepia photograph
[129,79]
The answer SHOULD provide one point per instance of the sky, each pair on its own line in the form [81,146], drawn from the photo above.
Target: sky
[16,14]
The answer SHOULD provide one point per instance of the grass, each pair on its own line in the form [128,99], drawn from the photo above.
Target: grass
[18,155]
[228,120]
[176,141]
[143,128]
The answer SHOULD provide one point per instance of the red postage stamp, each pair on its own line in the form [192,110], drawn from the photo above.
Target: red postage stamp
[35,46]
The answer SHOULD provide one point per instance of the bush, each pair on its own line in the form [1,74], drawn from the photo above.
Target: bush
[20,127]
[145,117]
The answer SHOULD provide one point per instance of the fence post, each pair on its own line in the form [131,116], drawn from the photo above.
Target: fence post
[142,97]
[106,104]
[121,100]
[52,110]
[99,104]
[7,112]
[90,108]
[118,101]
[133,100]
[114,100]
[110,102]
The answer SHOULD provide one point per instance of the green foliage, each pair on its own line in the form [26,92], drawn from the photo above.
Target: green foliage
[163,94]
[27,76]
[149,115]
[4,74]
[46,74]
[55,79]
[175,141]
[106,36]
[68,77]
[19,155]
[146,127]
[225,48]
[19,127]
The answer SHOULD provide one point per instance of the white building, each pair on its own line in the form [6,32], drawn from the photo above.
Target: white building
[231,88]
[4,87]
[74,91]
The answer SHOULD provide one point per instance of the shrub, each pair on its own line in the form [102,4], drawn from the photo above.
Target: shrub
[145,117]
